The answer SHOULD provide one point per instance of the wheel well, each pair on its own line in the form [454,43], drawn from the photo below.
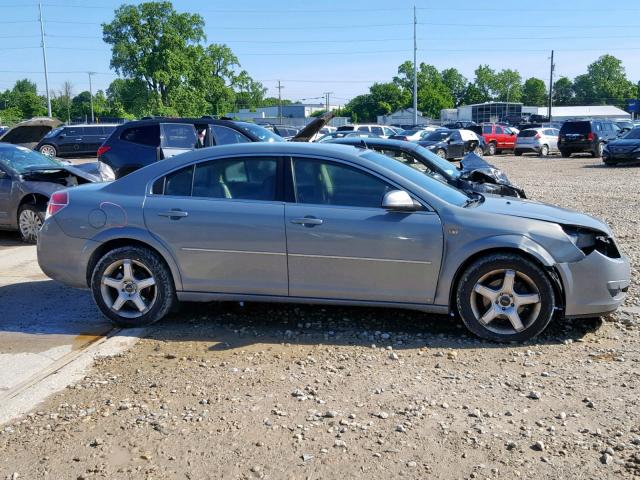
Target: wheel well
[117,243]
[558,289]
[36,199]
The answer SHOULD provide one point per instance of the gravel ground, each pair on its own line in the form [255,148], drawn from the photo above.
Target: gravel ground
[269,391]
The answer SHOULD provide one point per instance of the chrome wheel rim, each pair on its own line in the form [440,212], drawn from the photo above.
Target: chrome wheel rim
[505,301]
[478,151]
[544,151]
[48,150]
[441,153]
[30,224]
[128,288]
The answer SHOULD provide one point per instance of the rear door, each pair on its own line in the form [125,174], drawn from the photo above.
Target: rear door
[223,223]
[91,139]
[343,245]
[224,135]
[456,145]
[70,139]
[177,138]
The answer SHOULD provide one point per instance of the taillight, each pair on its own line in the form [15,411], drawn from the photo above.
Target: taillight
[537,137]
[590,136]
[103,149]
[57,202]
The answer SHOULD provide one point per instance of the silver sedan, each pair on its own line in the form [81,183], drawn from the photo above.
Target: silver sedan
[326,224]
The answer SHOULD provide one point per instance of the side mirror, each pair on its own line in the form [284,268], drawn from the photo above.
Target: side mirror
[399,200]
[61,136]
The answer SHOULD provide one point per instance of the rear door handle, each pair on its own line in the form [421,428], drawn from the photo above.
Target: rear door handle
[307,221]
[174,214]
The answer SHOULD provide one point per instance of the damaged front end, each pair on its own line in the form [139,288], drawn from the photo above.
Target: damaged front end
[480,176]
[46,180]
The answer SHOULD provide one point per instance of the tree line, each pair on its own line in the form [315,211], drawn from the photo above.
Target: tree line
[166,68]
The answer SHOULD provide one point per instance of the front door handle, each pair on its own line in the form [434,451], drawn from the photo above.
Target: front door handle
[174,214]
[307,221]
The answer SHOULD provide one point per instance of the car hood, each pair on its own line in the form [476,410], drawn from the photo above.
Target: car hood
[30,132]
[308,132]
[621,142]
[517,207]
[38,174]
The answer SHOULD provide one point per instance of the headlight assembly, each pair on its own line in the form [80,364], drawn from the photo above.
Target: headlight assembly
[589,240]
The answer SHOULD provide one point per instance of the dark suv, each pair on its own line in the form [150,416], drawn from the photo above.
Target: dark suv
[74,140]
[586,136]
[137,144]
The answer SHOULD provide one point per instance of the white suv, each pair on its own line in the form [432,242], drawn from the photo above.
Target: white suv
[381,130]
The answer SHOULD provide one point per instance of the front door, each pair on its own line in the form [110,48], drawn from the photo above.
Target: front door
[223,225]
[456,145]
[342,245]
[70,139]
[6,184]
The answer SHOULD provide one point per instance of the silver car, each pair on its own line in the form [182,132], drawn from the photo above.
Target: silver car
[543,141]
[326,224]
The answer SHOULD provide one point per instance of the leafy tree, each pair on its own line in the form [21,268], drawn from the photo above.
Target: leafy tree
[534,92]
[154,43]
[23,97]
[604,83]
[473,95]
[483,84]
[433,93]
[563,93]
[128,95]
[456,83]
[507,86]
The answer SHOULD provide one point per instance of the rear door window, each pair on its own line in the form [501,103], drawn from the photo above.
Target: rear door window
[177,183]
[499,130]
[178,135]
[236,178]
[363,129]
[143,135]
[377,130]
[487,130]
[225,135]
[73,131]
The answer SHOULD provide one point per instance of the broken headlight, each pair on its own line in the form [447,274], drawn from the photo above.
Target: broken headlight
[589,240]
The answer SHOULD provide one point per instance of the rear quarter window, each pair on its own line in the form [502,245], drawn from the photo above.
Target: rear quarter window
[576,127]
[143,135]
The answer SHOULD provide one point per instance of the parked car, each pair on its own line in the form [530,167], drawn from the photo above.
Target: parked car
[497,137]
[452,144]
[459,124]
[542,141]
[623,150]
[473,174]
[74,140]
[578,136]
[27,180]
[380,130]
[285,131]
[136,144]
[330,136]
[414,134]
[624,126]
[28,133]
[311,223]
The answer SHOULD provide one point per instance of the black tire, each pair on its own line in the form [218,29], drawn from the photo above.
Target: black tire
[491,149]
[524,269]
[597,153]
[49,150]
[544,151]
[30,219]
[164,297]
[610,164]
[441,153]
[517,153]
[565,153]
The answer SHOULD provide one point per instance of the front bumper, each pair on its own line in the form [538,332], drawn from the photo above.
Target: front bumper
[620,157]
[532,147]
[594,285]
[64,258]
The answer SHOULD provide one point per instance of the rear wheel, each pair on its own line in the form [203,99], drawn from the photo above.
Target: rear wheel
[505,297]
[441,153]
[517,153]
[478,151]
[491,148]
[30,219]
[544,150]
[132,286]
[597,153]
[565,153]
[48,150]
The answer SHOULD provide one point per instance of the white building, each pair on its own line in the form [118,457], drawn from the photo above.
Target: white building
[401,117]
[565,113]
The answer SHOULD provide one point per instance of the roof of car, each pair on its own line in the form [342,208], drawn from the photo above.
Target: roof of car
[93,125]
[373,142]
[155,120]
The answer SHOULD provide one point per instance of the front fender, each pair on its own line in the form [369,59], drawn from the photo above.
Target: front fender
[456,258]
[142,236]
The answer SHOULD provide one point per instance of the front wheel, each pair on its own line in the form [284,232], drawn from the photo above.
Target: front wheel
[48,150]
[30,219]
[441,153]
[132,286]
[491,149]
[597,153]
[565,153]
[478,151]
[505,297]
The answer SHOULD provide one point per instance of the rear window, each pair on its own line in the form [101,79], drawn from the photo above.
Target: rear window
[345,128]
[527,133]
[576,127]
[144,135]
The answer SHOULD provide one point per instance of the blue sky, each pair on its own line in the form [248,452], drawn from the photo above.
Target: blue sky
[337,46]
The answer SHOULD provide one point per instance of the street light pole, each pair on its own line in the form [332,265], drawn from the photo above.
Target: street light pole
[91,96]
[415,68]
[44,58]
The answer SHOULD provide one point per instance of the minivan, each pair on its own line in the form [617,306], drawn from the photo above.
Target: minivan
[74,140]
[577,136]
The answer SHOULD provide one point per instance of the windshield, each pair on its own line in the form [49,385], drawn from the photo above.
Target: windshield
[53,132]
[436,136]
[262,133]
[20,159]
[408,132]
[633,134]
[440,189]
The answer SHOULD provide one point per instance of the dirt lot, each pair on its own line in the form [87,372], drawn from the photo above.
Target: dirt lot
[268,391]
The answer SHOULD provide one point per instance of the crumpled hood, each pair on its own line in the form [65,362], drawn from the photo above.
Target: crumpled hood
[540,211]
[308,132]
[66,168]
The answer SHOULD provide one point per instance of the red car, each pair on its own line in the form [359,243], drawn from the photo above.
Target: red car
[497,137]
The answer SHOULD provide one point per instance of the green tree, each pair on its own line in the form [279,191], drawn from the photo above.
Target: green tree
[507,86]
[534,92]
[24,98]
[128,96]
[484,82]
[563,93]
[604,83]
[456,83]
[153,43]
[433,93]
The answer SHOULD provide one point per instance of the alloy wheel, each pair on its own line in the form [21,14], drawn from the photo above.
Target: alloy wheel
[48,150]
[505,301]
[128,288]
[441,153]
[29,223]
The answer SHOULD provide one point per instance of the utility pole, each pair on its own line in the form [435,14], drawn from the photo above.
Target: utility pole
[415,68]
[551,87]
[44,58]
[327,104]
[93,120]
[280,87]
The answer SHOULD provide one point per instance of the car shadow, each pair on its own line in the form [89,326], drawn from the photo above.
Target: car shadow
[10,239]
[602,165]
[49,308]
